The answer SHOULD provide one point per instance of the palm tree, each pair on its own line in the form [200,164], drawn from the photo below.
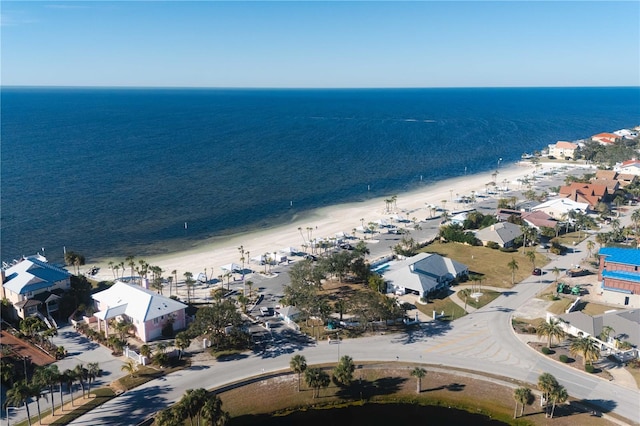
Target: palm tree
[93,370]
[35,391]
[418,373]
[524,397]
[182,342]
[19,394]
[465,293]
[558,395]
[531,255]
[513,265]
[591,245]
[131,263]
[212,411]
[193,401]
[188,280]
[635,218]
[546,383]
[250,285]
[606,332]
[48,376]
[343,373]
[556,271]
[587,347]
[81,375]
[551,329]
[170,282]
[69,377]
[316,378]
[129,367]
[298,364]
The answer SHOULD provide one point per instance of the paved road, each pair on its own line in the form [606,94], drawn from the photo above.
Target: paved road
[482,341]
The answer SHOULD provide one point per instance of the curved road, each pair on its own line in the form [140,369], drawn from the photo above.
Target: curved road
[482,341]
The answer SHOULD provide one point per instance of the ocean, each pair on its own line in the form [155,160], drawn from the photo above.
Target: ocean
[118,171]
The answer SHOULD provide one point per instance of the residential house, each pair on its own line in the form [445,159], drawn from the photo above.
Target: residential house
[538,219]
[605,138]
[589,193]
[503,215]
[148,311]
[619,271]
[503,233]
[424,273]
[562,149]
[625,326]
[560,207]
[631,167]
[33,285]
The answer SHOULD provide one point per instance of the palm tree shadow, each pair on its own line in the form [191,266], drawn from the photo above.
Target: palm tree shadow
[366,389]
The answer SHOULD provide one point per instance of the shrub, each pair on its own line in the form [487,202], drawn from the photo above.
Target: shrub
[545,350]
[564,358]
[493,245]
[589,368]
[508,250]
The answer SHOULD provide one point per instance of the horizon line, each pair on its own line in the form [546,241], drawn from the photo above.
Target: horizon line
[2,86]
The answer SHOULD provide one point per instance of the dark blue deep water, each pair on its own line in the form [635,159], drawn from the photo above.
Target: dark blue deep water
[119,171]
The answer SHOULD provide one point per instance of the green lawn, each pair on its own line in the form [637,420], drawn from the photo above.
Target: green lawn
[451,310]
[491,264]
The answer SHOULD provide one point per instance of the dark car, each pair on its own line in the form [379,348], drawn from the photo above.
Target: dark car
[537,271]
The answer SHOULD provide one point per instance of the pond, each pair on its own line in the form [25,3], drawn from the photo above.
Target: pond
[372,414]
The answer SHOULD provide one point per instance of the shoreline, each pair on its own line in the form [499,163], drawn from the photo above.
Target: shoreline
[211,254]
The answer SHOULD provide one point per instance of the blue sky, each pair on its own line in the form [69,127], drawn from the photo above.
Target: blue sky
[320,44]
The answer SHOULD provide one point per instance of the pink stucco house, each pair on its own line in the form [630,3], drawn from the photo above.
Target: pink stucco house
[145,309]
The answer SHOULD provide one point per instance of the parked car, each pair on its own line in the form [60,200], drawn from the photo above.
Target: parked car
[537,271]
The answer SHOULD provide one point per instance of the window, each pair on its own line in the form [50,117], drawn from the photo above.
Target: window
[155,320]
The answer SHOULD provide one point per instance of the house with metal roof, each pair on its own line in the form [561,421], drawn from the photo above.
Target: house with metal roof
[503,233]
[148,311]
[424,273]
[619,270]
[33,284]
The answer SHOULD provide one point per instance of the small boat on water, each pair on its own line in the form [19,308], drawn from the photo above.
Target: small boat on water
[526,156]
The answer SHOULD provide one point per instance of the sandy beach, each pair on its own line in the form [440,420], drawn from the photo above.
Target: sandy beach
[325,223]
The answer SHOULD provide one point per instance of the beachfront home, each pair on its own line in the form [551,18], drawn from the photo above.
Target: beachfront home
[588,193]
[560,207]
[619,270]
[562,149]
[33,285]
[423,274]
[503,233]
[148,311]
[605,138]
[623,326]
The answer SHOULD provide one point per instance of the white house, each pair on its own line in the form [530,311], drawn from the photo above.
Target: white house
[424,273]
[31,282]
[148,311]
[625,326]
[560,206]
[629,167]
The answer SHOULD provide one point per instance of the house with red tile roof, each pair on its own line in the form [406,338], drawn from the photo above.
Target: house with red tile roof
[562,149]
[605,138]
[588,193]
